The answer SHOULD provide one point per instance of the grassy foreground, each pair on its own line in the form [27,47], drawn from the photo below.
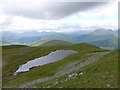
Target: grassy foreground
[101,74]
[16,55]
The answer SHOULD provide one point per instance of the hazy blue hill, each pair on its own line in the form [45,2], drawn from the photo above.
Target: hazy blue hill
[58,36]
[77,33]
[97,35]
[51,42]
[27,40]
[7,36]
[107,44]
[67,36]
[103,31]
[2,43]
[35,33]
[5,42]
[24,37]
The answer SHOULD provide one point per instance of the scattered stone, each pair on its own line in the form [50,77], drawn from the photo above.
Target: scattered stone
[34,87]
[81,73]
[60,87]
[48,87]
[42,86]
[48,83]
[107,72]
[72,75]
[56,82]
[111,76]
[66,79]
[103,76]
[61,81]
[108,85]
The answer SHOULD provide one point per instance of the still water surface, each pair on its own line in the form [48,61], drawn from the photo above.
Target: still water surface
[51,57]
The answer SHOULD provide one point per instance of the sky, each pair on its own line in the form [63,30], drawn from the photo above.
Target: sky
[57,16]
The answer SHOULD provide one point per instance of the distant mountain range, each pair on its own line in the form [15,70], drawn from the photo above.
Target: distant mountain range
[29,37]
[51,43]
[99,34]
[106,44]
[105,38]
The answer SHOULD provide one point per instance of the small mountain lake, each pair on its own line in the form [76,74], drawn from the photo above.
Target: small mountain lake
[51,57]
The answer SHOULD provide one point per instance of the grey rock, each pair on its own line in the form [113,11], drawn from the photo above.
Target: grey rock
[48,83]
[108,85]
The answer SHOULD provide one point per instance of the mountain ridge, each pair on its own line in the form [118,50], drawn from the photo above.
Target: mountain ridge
[51,42]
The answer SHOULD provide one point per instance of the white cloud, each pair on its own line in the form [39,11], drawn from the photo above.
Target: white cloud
[101,12]
[41,10]
[21,15]
[59,25]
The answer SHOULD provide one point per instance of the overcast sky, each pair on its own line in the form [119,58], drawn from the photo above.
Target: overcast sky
[57,16]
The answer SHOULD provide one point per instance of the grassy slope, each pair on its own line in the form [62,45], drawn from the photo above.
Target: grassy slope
[0,67]
[97,75]
[0,77]
[96,36]
[110,44]
[106,39]
[51,42]
[14,56]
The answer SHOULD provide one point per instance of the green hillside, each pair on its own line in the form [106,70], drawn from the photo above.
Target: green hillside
[101,74]
[4,43]
[56,36]
[97,35]
[110,44]
[0,67]
[51,42]
[104,38]
[96,67]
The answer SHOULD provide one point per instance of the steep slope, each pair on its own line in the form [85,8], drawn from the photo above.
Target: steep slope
[51,42]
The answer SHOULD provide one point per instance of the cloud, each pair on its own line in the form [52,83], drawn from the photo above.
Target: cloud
[102,12]
[59,25]
[46,10]
[5,21]
[57,16]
